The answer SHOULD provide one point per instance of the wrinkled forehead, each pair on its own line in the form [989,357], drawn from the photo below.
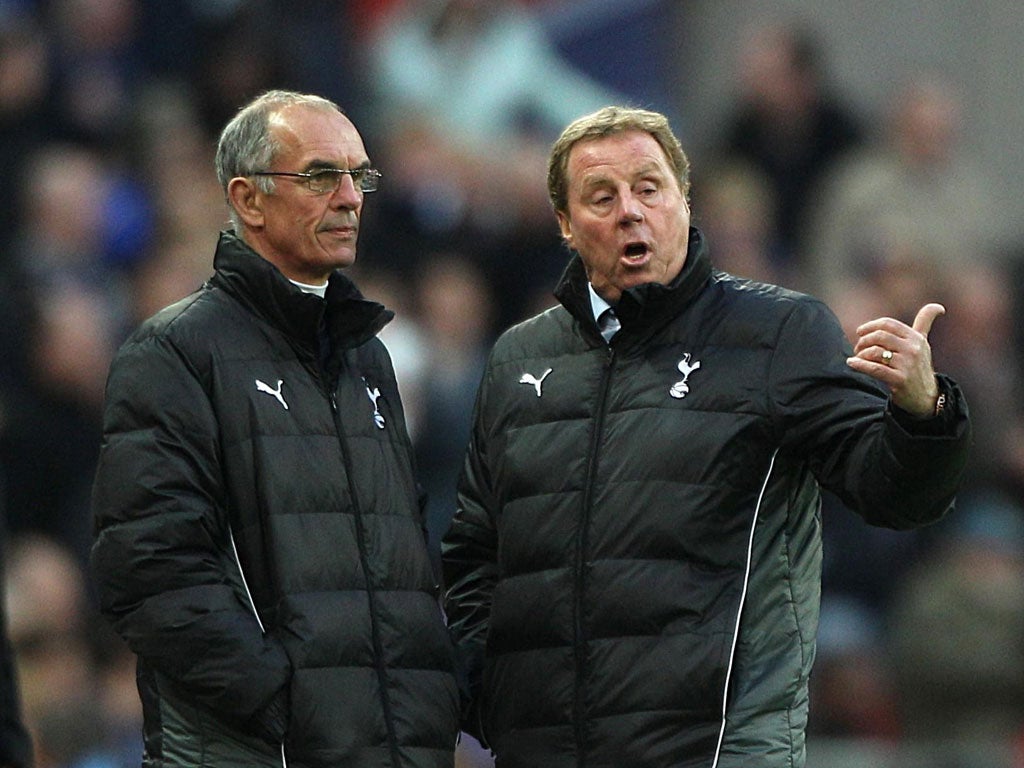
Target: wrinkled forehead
[308,131]
[625,152]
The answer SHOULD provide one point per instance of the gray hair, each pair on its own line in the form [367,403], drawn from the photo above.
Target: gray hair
[247,145]
[609,121]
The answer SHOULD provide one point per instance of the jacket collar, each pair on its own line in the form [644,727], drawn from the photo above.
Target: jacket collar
[351,319]
[643,307]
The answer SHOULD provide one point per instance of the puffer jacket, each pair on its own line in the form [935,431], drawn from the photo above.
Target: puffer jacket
[634,566]
[259,543]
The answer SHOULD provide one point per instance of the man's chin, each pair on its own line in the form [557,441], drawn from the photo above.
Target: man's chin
[341,256]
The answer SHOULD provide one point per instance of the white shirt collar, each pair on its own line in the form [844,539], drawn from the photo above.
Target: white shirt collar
[319,290]
[597,304]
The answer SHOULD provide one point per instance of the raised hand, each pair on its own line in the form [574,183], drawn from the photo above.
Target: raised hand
[899,356]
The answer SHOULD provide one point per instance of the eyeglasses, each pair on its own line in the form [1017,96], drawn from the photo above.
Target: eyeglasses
[327,180]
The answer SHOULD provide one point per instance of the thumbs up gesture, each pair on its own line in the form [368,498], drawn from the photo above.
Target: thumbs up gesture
[899,356]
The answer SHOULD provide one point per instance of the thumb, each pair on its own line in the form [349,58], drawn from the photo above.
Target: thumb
[926,316]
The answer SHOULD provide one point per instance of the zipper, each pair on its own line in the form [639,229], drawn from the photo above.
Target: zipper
[579,634]
[378,645]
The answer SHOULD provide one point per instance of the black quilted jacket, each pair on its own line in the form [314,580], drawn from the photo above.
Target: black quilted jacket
[259,543]
[634,568]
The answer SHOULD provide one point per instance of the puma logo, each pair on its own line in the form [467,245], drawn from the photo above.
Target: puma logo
[271,391]
[680,388]
[528,378]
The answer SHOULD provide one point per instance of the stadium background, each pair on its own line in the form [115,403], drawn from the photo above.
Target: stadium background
[109,110]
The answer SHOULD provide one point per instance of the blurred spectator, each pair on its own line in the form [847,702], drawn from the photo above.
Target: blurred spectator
[468,94]
[83,221]
[50,434]
[456,313]
[463,77]
[78,680]
[58,237]
[229,71]
[981,352]
[97,67]
[175,155]
[911,198]
[737,205]
[233,50]
[860,564]
[83,225]
[25,83]
[237,49]
[903,275]
[46,599]
[958,632]
[175,158]
[852,695]
[15,743]
[62,228]
[176,268]
[438,342]
[24,122]
[115,699]
[788,122]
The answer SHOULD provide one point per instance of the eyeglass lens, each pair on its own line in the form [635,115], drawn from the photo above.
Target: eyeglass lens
[329,179]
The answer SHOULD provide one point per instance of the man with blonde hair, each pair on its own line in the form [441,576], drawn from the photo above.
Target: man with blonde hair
[633,569]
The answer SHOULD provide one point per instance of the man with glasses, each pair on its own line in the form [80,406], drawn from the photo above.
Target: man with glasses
[259,543]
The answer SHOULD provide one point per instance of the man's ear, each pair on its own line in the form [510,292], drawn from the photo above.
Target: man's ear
[247,200]
[566,226]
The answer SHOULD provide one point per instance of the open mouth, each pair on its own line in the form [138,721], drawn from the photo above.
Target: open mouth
[635,252]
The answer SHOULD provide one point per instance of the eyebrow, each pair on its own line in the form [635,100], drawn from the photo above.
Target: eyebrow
[325,165]
[649,169]
[652,168]
[593,182]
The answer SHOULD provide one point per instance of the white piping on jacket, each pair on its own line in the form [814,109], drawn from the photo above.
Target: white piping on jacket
[241,572]
[252,604]
[739,612]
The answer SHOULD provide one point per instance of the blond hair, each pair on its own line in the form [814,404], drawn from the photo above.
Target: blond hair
[609,121]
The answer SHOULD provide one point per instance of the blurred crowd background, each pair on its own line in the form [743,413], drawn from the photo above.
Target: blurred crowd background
[865,152]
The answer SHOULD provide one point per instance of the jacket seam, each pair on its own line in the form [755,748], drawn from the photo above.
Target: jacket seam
[739,610]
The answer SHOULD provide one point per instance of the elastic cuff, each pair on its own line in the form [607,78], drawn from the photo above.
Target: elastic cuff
[941,422]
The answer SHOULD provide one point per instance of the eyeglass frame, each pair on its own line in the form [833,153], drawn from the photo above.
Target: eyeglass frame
[369,181]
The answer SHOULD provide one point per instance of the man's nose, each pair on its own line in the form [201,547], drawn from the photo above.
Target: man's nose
[347,195]
[630,210]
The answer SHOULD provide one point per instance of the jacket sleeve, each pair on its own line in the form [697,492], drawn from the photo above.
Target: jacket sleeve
[162,558]
[469,555]
[890,470]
